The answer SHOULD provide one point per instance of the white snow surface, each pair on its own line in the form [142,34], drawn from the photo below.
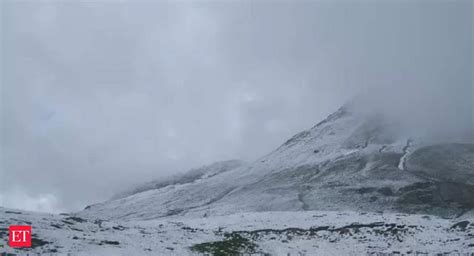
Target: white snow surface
[275,233]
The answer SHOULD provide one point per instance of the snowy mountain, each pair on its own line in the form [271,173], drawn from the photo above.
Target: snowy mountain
[350,185]
[188,177]
[349,161]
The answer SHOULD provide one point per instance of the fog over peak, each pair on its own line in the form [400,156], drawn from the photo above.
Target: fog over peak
[438,113]
[100,95]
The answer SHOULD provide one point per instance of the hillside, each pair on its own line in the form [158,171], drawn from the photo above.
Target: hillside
[349,162]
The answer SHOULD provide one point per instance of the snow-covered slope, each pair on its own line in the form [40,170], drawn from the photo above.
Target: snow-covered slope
[187,177]
[265,233]
[350,185]
[349,161]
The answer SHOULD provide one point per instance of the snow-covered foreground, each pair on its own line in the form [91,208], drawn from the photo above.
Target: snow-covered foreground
[274,233]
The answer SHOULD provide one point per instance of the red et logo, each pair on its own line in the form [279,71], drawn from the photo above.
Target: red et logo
[20,236]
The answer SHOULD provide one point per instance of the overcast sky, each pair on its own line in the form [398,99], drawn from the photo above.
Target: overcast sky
[99,95]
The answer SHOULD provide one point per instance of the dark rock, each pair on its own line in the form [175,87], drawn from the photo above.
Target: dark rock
[386,191]
[76,219]
[366,190]
[56,226]
[119,227]
[36,242]
[13,212]
[109,242]
[373,198]
[460,225]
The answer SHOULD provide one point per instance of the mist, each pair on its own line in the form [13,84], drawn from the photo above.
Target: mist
[97,96]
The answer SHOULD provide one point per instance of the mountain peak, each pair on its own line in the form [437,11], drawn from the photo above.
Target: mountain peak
[349,161]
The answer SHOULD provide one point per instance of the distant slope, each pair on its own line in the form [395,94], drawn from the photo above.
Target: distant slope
[448,174]
[349,161]
[203,172]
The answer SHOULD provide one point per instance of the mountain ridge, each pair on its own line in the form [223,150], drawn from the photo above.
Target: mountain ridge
[348,161]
